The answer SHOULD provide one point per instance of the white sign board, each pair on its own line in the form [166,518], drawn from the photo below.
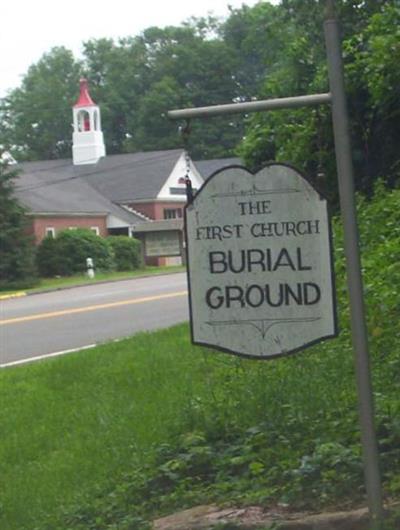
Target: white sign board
[162,244]
[260,263]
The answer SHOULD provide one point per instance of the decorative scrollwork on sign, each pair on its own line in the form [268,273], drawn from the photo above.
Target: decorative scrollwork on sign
[255,191]
[262,325]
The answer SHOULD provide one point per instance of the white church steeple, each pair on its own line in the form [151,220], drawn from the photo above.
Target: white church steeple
[87,139]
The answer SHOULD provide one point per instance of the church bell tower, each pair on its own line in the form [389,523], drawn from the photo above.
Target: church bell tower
[87,139]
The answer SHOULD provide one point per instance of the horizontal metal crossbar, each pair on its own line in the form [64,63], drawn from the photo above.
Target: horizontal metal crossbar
[251,106]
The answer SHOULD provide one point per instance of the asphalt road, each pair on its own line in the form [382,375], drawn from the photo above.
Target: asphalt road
[53,322]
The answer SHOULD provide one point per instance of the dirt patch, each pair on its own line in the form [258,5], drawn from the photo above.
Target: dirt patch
[255,517]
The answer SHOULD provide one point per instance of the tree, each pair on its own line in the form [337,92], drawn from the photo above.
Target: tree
[118,78]
[254,36]
[373,77]
[153,130]
[258,52]
[16,247]
[185,66]
[304,136]
[135,81]
[37,116]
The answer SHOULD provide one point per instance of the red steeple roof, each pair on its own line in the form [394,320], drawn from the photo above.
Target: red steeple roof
[84,99]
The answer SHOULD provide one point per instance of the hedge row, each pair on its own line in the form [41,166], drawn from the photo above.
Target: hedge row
[66,254]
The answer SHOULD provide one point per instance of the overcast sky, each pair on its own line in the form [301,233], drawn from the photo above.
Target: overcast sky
[31,28]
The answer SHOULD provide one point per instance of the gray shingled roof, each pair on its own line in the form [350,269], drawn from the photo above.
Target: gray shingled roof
[59,187]
[55,187]
[131,177]
[207,167]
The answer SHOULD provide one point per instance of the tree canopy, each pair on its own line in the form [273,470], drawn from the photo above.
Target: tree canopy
[371,51]
[258,52]
[36,117]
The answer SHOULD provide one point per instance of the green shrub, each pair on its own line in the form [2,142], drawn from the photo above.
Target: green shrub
[48,258]
[127,252]
[66,254]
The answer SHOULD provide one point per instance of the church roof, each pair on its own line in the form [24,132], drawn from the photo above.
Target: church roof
[131,177]
[54,187]
[59,187]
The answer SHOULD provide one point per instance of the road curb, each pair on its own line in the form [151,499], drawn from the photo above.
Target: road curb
[12,295]
[86,284]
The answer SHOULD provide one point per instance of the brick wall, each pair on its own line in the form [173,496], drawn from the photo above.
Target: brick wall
[41,224]
[155,210]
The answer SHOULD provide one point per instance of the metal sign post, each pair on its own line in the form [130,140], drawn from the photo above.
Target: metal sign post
[354,278]
[353,263]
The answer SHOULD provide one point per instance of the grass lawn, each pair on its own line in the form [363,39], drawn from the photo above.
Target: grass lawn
[70,426]
[109,438]
[80,279]
[104,437]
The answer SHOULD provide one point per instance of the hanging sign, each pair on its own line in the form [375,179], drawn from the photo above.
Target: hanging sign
[259,263]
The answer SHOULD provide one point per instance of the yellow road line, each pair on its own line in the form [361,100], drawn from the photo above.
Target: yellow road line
[12,295]
[64,312]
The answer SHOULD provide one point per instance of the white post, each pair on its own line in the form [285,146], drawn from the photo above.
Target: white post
[90,268]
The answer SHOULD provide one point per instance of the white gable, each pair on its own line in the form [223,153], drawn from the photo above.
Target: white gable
[174,188]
